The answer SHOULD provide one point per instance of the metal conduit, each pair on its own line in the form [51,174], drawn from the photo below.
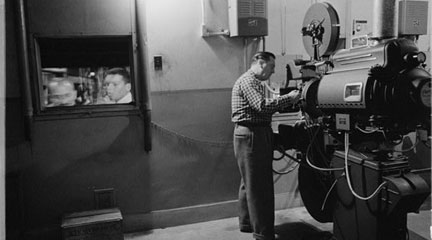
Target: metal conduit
[384,19]
[141,69]
[23,58]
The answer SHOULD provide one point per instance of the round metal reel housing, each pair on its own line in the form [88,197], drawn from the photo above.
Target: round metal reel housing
[325,13]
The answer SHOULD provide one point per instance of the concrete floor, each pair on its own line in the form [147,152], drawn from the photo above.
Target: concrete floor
[291,224]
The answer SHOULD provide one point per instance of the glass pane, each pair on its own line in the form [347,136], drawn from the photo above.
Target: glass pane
[85,71]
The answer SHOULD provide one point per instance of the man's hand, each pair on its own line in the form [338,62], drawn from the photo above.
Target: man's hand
[294,95]
[300,85]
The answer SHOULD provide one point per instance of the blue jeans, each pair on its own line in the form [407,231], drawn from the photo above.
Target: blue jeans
[253,149]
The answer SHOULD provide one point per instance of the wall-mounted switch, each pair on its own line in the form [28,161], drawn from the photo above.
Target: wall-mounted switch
[157,63]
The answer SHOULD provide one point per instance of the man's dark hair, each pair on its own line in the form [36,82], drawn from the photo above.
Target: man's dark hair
[119,71]
[264,56]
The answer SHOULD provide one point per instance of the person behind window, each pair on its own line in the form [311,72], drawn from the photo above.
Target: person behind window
[118,86]
[82,94]
[61,92]
[253,145]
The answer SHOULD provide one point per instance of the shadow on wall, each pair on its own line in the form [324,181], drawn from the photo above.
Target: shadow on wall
[189,172]
[192,138]
[73,158]
[198,114]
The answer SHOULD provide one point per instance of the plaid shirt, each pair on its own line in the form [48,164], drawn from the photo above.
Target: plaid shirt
[249,104]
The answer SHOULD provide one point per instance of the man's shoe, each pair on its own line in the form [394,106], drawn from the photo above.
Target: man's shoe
[246,229]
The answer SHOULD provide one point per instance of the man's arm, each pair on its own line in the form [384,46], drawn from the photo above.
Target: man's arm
[256,98]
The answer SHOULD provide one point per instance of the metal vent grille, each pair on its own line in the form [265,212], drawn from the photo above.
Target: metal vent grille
[259,9]
[252,8]
[245,8]
[248,18]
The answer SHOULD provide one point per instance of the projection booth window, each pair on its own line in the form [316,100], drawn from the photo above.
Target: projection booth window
[85,71]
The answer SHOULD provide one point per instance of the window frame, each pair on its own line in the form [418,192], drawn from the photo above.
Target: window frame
[96,110]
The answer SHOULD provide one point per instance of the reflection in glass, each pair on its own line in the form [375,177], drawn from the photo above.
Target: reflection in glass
[118,86]
[85,86]
[85,71]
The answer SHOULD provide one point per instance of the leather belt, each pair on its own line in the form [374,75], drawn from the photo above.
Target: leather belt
[250,124]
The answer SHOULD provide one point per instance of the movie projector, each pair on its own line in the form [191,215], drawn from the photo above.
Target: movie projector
[358,106]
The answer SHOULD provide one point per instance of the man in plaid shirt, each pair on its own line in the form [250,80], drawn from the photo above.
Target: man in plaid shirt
[253,145]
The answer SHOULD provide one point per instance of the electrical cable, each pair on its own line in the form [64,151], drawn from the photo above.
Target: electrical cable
[284,154]
[308,160]
[409,149]
[270,89]
[328,193]
[366,131]
[292,158]
[320,151]
[372,131]
[281,151]
[399,142]
[348,179]
[421,170]
[288,169]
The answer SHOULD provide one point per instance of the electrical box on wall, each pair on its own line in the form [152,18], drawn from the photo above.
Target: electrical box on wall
[413,17]
[248,18]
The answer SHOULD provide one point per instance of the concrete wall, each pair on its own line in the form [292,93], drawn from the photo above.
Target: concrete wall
[196,62]
[191,163]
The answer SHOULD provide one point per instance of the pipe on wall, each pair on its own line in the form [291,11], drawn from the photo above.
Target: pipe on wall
[348,24]
[23,58]
[142,72]
[2,121]
[384,19]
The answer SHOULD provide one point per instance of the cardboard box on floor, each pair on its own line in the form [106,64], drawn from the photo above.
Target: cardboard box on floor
[99,224]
